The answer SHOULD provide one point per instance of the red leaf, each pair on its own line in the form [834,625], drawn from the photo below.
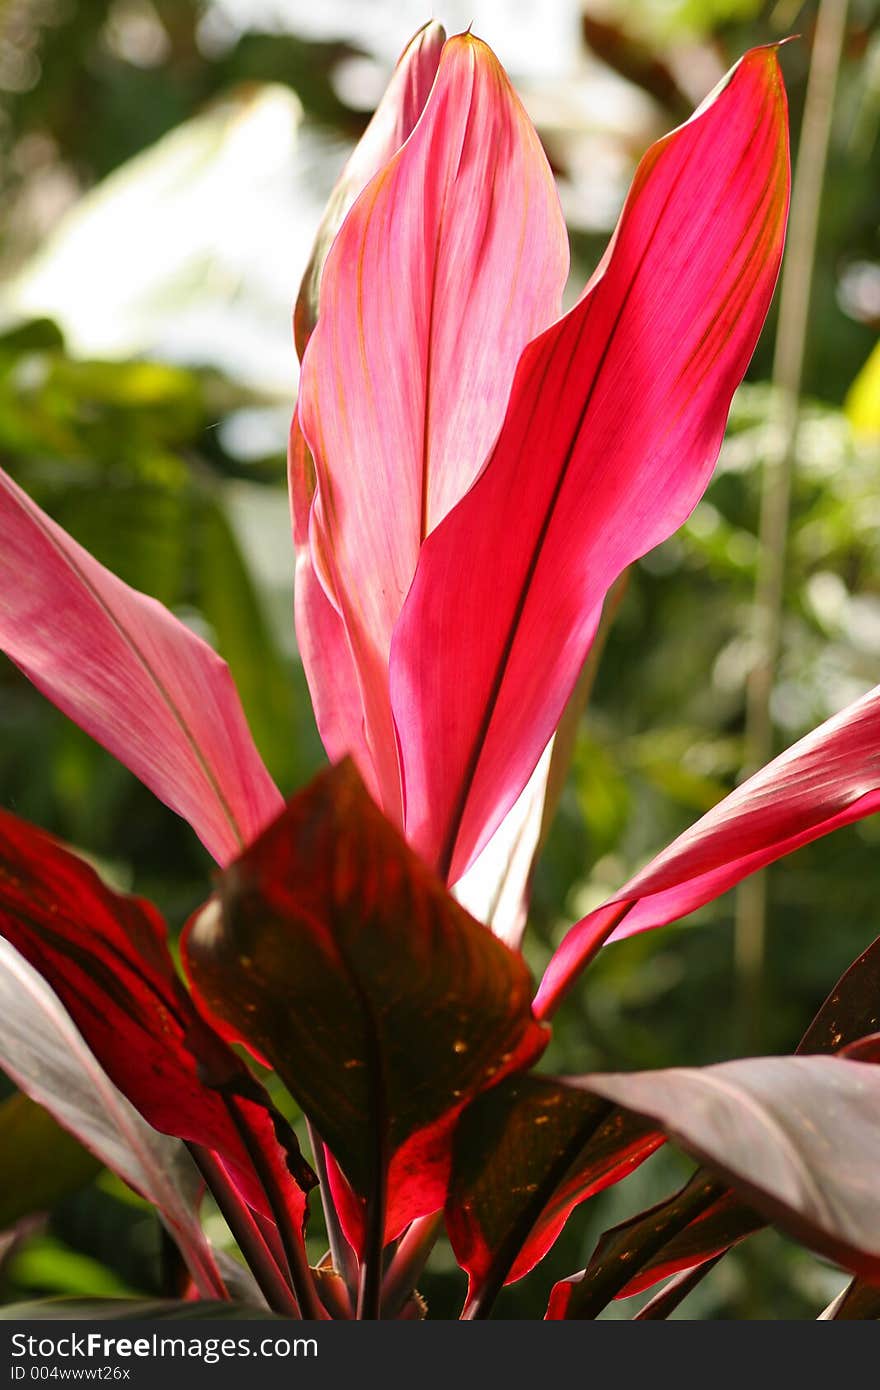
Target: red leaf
[687,1229]
[827,780]
[106,957]
[795,1137]
[335,952]
[612,430]
[849,1011]
[525,1155]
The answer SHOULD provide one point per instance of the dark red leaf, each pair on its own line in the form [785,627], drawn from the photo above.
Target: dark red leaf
[106,957]
[863,1049]
[525,1155]
[796,1137]
[384,1007]
[684,1230]
[849,1011]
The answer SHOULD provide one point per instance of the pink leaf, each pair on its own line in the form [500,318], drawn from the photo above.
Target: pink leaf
[321,635]
[393,122]
[130,674]
[612,431]
[453,257]
[323,642]
[829,779]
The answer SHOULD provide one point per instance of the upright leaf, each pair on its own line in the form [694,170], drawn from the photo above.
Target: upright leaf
[392,123]
[451,259]
[612,429]
[323,641]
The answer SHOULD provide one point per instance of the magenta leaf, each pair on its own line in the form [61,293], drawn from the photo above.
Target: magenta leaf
[453,257]
[323,641]
[129,673]
[384,1007]
[827,780]
[612,430]
[393,121]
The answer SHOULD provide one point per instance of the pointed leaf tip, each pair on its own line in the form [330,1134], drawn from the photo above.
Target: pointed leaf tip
[450,260]
[381,1004]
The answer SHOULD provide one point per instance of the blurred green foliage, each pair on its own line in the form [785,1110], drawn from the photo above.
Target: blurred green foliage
[132,458]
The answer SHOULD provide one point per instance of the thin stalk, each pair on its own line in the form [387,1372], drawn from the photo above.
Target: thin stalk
[409,1260]
[547,1001]
[369,1304]
[341,1253]
[291,1236]
[200,1263]
[250,1242]
[794,310]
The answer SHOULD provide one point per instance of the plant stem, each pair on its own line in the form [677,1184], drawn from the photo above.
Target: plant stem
[369,1305]
[200,1263]
[291,1236]
[794,308]
[247,1235]
[409,1261]
[341,1253]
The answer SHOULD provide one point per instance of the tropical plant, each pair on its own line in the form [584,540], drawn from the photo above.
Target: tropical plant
[471,474]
